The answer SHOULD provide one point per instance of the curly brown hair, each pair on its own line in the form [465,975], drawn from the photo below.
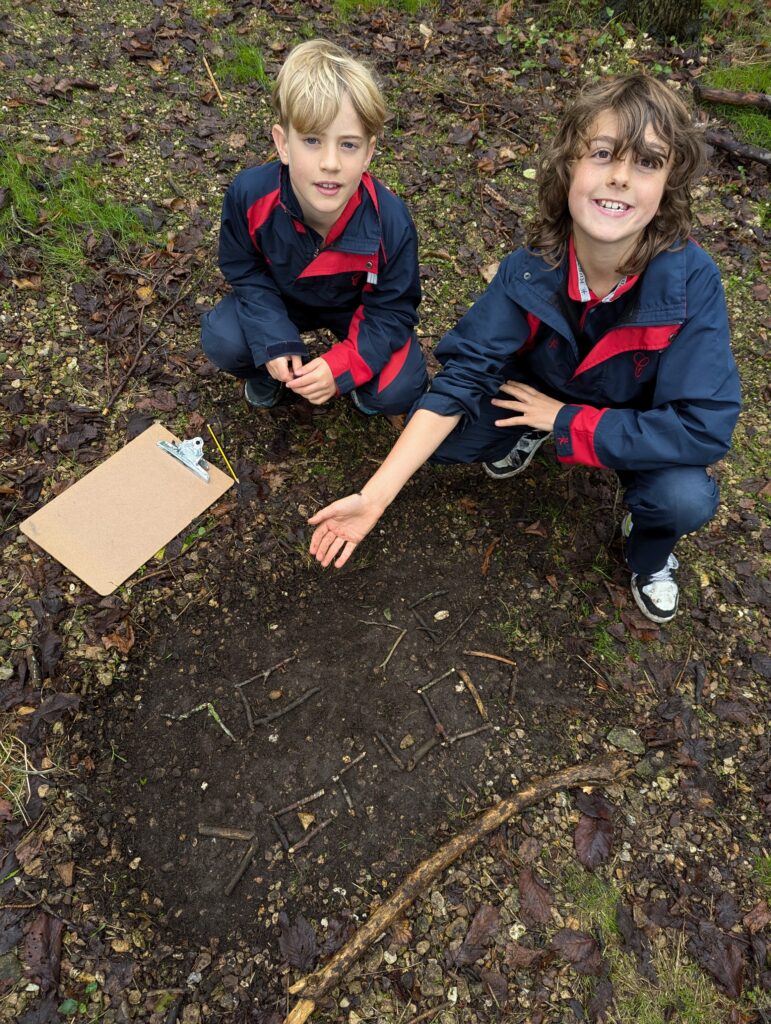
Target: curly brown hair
[639,102]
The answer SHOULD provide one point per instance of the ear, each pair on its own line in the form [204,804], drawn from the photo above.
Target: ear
[280,142]
[370,151]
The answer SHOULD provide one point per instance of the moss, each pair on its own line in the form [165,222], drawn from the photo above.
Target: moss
[244,65]
[753,126]
[59,212]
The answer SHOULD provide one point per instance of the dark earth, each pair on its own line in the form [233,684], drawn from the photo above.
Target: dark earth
[123,720]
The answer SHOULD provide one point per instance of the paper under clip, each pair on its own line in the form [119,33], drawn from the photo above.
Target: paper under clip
[189,453]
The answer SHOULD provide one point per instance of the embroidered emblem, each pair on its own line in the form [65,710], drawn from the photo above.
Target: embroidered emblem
[554,343]
[640,362]
[356,280]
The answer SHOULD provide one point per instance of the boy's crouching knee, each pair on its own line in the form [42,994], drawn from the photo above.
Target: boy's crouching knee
[223,340]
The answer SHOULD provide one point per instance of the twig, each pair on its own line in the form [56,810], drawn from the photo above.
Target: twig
[213,80]
[429,1013]
[243,864]
[492,657]
[399,639]
[206,706]
[761,100]
[679,679]
[471,732]
[127,377]
[351,764]
[267,672]
[433,682]
[280,833]
[458,628]
[299,803]
[222,453]
[313,987]
[432,711]
[422,624]
[248,710]
[307,838]
[224,832]
[420,753]
[426,597]
[290,707]
[593,669]
[391,753]
[474,693]
[346,794]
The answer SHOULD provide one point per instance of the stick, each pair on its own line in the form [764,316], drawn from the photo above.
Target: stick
[386,746]
[299,803]
[225,833]
[458,628]
[422,624]
[433,682]
[127,377]
[399,639]
[761,100]
[763,156]
[213,80]
[290,707]
[243,864]
[267,672]
[280,833]
[470,732]
[432,711]
[474,693]
[248,710]
[420,753]
[426,597]
[315,986]
[310,835]
[492,657]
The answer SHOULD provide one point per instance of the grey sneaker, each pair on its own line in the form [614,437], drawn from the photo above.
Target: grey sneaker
[657,594]
[262,394]
[520,456]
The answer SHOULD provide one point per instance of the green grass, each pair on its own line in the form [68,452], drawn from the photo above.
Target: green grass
[751,125]
[243,66]
[58,213]
[683,993]
[736,24]
[762,872]
[346,8]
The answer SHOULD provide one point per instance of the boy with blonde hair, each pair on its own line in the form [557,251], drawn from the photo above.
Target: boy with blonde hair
[313,241]
[609,333]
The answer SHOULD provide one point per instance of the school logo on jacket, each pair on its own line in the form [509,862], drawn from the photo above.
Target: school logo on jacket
[640,361]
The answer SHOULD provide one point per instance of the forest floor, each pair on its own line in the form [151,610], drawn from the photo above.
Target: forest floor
[647,903]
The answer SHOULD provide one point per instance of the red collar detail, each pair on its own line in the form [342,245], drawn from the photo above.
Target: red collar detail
[579,290]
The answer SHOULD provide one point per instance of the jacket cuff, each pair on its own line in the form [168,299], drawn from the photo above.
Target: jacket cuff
[291,347]
[347,368]
[574,433]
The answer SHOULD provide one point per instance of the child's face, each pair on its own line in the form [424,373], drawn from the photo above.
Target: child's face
[612,200]
[325,168]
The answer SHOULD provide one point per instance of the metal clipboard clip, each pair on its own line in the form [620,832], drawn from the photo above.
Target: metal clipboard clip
[190,454]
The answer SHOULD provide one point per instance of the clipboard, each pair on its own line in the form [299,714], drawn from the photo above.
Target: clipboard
[109,523]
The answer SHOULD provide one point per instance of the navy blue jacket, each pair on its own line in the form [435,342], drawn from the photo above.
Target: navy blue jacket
[659,386]
[283,273]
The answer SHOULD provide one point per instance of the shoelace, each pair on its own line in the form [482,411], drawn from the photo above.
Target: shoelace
[664,575]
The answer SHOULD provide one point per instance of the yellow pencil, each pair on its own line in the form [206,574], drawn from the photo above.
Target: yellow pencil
[224,456]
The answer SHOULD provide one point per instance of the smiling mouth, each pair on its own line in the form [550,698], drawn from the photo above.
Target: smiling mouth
[612,205]
[328,186]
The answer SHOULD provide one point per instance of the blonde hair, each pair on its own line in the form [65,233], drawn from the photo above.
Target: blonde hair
[639,103]
[312,83]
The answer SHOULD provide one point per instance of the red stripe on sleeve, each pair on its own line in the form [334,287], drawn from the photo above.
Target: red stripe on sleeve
[393,367]
[344,356]
[583,427]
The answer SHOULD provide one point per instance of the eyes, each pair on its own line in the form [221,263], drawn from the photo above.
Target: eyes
[347,146]
[603,155]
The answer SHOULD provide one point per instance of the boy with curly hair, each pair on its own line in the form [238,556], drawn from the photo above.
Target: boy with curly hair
[608,332]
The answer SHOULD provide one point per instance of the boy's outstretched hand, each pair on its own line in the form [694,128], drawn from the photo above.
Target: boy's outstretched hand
[532,408]
[341,526]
